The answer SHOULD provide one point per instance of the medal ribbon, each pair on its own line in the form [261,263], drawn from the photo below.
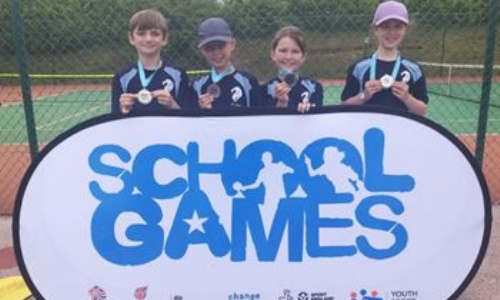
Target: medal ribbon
[218,77]
[373,63]
[142,74]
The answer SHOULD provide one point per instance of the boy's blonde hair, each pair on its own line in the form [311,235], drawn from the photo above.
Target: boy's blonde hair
[292,32]
[148,19]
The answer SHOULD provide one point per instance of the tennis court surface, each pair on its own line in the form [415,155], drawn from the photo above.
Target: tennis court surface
[60,107]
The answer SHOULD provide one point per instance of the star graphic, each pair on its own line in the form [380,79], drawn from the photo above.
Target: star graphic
[196,223]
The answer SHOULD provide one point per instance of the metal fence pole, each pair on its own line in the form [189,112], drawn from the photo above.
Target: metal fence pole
[489,57]
[22,58]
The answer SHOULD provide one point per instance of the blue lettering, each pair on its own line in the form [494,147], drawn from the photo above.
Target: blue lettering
[195,206]
[273,194]
[375,179]
[144,176]
[367,220]
[246,216]
[99,167]
[314,223]
[148,236]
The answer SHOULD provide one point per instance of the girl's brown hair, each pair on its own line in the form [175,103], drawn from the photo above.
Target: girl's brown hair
[292,32]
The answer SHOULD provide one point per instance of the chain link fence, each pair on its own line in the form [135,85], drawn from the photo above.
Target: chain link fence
[57,59]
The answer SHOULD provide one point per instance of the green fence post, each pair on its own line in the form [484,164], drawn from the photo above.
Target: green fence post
[489,57]
[22,58]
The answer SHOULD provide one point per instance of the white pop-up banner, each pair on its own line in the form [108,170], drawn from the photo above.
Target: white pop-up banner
[339,204]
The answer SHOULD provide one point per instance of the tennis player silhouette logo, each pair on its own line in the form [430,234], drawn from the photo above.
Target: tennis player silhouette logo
[340,175]
[271,177]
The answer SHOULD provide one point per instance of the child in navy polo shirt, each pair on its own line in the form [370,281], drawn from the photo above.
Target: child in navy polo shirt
[288,89]
[386,78]
[150,84]
[225,87]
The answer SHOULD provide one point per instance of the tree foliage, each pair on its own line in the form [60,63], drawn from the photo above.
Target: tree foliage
[54,27]
[62,24]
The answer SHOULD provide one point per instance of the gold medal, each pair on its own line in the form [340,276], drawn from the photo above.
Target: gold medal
[144,96]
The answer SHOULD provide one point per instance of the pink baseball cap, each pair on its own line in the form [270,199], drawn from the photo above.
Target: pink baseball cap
[390,10]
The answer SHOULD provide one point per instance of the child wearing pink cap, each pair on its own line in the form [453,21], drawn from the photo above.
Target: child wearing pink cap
[386,78]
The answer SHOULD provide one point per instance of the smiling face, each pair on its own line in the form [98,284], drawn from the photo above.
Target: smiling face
[390,34]
[288,54]
[148,33]
[218,53]
[148,42]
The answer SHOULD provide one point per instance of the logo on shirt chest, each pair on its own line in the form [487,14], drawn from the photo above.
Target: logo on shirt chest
[168,85]
[236,93]
[405,76]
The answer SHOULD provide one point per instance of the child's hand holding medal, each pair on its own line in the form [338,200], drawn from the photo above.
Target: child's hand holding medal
[281,92]
[164,98]
[126,102]
[288,80]
[205,101]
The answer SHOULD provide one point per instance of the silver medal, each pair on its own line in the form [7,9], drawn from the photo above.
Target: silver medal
[386,81]
[144,96]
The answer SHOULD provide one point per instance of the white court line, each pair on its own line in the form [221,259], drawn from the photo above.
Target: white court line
[33,100]
[41,98]
[475,134]
[43,126]
[12,104]
[71,116]
[464,119]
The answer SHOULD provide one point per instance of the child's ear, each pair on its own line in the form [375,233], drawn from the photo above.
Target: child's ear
[131,38]
[232,43]
[272,55]
[165,40]
[304,57]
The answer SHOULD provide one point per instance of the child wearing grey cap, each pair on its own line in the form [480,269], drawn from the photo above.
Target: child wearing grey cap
[225,87]
[386,78]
